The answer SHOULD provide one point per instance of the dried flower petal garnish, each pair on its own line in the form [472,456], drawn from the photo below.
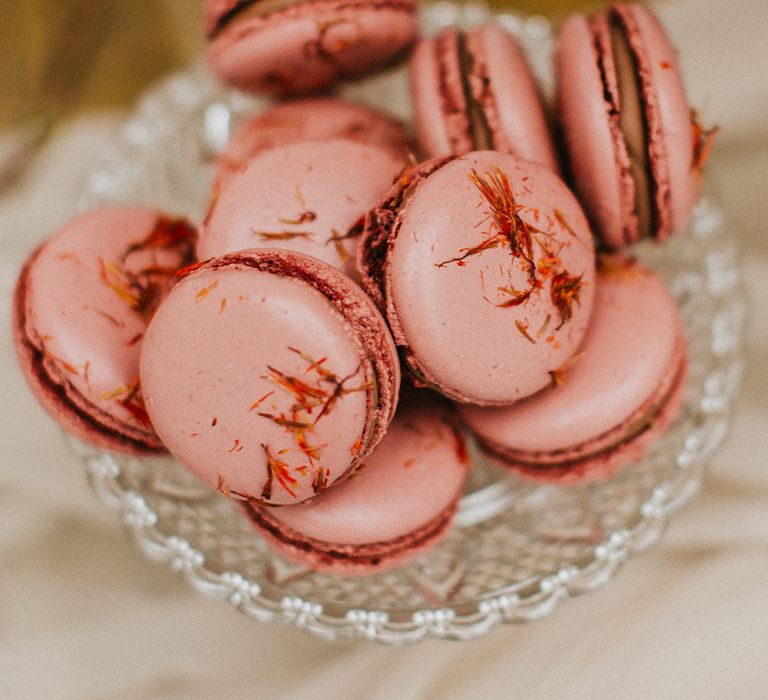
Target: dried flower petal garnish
[166,233]
[320,479]
[130,398]
[523,328]
[530,247]
[312,397]
[66,366]
[143,288]
[134,404]
[260,401]
[703,141]
[214,201]
[564,223]
[558,375]
[281,235]
[507,228]
[355,231]
[237,495]
[277,469]
[302,218]
[184,271]
[109,317]
[205,291]
[565,290]
[338,239]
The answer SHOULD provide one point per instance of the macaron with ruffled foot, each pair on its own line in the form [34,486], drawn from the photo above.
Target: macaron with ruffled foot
[81,309]
[484,266]
[474,91]
[607,404]
[269,374]
[400,504]
[290,47]
[635,147]
[309,119]
[310,197]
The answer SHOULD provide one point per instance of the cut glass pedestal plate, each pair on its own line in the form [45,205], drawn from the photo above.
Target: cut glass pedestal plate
[517,549]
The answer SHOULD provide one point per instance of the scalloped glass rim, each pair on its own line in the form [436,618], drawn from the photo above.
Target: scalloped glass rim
[517,549]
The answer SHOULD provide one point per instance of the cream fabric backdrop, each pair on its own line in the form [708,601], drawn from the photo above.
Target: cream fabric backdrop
[83,615]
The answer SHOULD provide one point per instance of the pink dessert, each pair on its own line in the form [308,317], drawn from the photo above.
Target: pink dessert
[484,266]
[310,197]
[311,119]
[287,47]
[269,374]
[608,403]
[635,149]
[474,91]
[398,505]
[81,309]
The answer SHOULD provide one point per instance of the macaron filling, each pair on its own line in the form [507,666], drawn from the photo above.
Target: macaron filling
[470,108]
[634,128]
[635,124]
[472,72]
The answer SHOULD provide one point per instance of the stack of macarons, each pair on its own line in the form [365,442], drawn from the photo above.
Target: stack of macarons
[320,345]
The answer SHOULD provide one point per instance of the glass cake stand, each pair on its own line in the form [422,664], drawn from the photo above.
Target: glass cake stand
[517,549]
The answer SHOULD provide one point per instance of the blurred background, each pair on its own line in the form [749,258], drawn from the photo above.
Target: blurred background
[61,56]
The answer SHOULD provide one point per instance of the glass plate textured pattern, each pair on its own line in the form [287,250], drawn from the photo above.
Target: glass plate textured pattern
[517,550]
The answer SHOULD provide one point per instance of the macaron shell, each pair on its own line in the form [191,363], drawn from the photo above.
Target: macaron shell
[311,119]
[308,46]
[405,493]
[277,394]
[307,197]
[82,317]
[631,364]
[409,479]
[439,103]
[448,313]
[676,131]
[513,107]
[598,164]
[502,85]
[99,430]
[605,464]
[214,10]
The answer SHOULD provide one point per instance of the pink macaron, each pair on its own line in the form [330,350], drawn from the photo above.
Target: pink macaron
[269,374]
[608,403]
[310,119]
[484,266]
[398,505]
[635,149]
[474,91]
[290,47]
[310,197]
[81,309]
